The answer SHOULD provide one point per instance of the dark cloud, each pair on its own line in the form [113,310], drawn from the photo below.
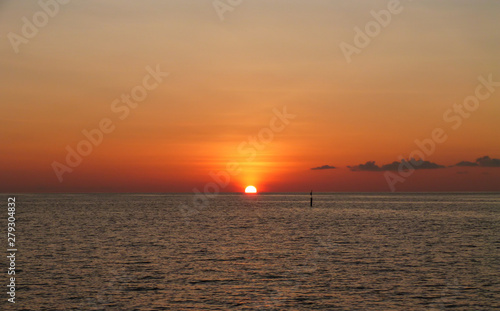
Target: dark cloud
[324,167]
[391,167]
[466,163]
[425,165]
[485,161]
[405,165]
[488,162]
[368,166]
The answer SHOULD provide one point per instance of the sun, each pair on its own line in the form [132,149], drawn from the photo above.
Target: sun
[250,189]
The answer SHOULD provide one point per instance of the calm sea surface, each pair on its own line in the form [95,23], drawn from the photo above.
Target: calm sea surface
[260,252]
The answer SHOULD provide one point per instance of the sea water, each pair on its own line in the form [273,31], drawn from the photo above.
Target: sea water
[257,252]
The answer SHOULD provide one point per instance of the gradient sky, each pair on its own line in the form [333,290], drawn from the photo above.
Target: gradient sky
[225,79]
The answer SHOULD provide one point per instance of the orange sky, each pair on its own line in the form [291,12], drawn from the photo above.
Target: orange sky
[225,81]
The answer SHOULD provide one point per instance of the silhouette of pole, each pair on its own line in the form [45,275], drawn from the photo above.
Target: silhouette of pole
[311,198]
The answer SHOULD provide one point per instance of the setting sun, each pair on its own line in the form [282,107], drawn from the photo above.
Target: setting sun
[250,189]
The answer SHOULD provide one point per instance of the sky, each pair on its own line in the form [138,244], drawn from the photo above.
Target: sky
[209,95]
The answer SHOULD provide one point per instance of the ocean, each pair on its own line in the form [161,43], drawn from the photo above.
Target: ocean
[350,251]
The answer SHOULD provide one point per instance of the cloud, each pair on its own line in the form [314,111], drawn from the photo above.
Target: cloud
[485,161]
[368,166]
[466,163]
[406,165]
[324,167]
[425,165]
[488,162]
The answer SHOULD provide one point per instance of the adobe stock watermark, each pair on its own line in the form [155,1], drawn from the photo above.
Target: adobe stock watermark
[121,108]
[250,148]
[363,37]
[31,27]
[454,117]
[224,6]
